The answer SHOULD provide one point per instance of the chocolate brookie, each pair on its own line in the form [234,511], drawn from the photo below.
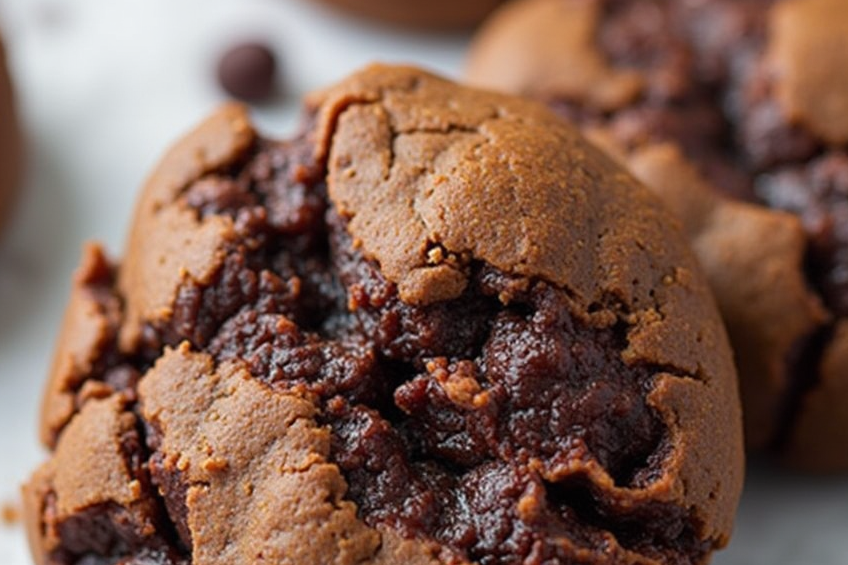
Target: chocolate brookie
[435,327]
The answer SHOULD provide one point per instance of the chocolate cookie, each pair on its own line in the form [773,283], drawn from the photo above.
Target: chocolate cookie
[435,327]
[10,143]
[432,14]
[753,258]
[745,84]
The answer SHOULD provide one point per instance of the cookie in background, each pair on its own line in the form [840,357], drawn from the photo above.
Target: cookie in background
[429,14]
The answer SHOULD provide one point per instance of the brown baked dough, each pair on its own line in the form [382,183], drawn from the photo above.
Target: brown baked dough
[435,327]
[624,65]
[432,14]
[10,143]
[808,40]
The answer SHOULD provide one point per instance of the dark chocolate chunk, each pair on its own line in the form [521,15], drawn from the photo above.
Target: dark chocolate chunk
[248,72]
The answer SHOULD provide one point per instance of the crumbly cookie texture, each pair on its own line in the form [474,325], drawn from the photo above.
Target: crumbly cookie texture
[11,153]
[435,327]
[751,94]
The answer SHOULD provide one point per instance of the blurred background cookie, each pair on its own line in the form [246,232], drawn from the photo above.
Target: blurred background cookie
[788,104]
[619,64]
[430,14]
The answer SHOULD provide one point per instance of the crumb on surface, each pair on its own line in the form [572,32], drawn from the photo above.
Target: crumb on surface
[10,513]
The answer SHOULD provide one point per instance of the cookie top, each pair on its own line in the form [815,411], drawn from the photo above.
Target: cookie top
[10,142]
[433,179]
[437,325]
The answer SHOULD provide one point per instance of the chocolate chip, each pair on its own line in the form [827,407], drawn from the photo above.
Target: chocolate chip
[247,72]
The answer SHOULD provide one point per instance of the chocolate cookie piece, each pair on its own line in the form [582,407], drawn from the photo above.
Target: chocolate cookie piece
[433,14]
[779,294]
[248,71]
[788,104]
[10,143]
[435,327]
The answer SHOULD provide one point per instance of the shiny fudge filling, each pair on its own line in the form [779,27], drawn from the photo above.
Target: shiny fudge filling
[722,34]
[480,423]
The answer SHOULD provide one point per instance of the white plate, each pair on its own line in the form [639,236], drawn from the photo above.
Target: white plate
[106,85]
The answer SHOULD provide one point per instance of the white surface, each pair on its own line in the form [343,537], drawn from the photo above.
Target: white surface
[106,85]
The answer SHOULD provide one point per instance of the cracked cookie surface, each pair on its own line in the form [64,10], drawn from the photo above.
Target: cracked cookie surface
[436,326]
